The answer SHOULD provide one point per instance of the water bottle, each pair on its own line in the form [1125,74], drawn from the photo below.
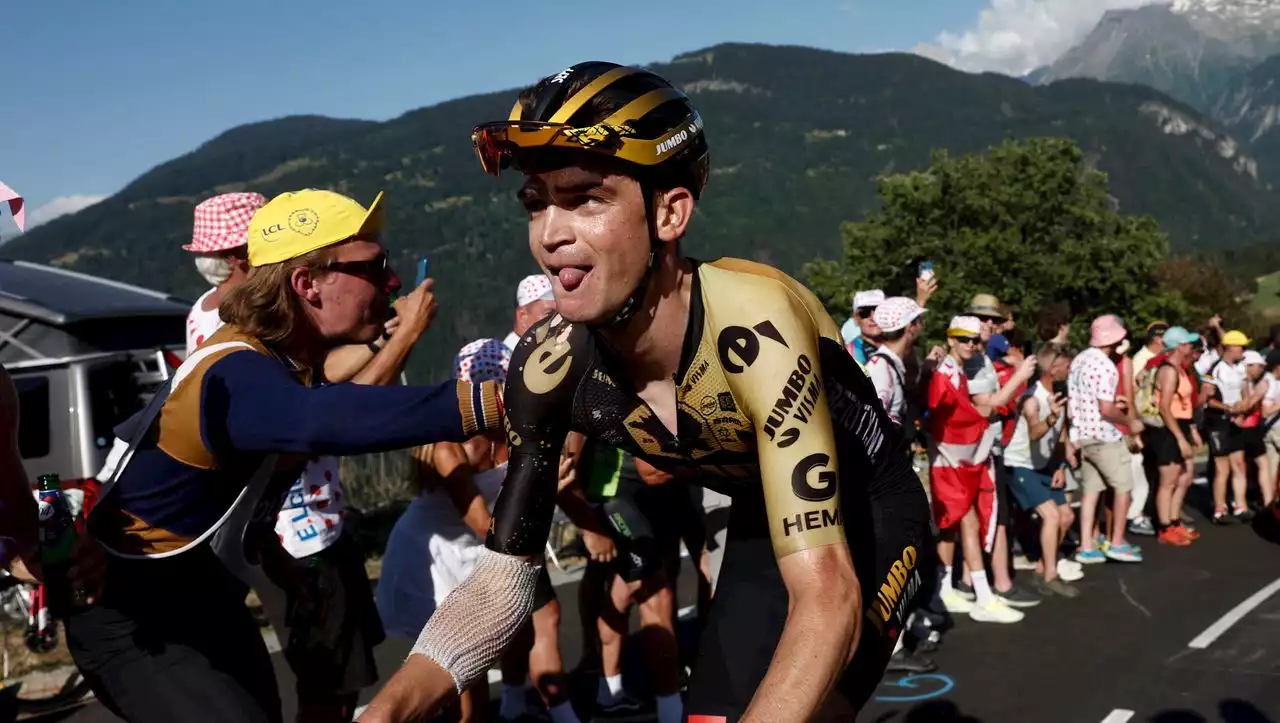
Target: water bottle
[57,539]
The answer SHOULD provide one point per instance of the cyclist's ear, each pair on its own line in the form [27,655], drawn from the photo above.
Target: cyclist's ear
[673,209]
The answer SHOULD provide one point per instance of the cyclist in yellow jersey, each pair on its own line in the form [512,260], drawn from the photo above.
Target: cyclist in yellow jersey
[729,372]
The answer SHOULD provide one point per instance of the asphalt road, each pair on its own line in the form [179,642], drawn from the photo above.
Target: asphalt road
[1120,652]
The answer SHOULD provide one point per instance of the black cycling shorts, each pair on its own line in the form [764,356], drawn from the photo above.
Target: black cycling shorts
[892,550]
[639,549]
[1224,438]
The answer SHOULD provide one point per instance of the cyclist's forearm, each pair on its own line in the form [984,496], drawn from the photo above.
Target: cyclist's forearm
[821,632]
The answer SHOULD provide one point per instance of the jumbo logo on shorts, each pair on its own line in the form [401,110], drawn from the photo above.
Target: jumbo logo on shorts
[899,586]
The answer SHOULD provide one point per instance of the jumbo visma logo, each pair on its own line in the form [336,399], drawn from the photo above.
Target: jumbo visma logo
[899,586]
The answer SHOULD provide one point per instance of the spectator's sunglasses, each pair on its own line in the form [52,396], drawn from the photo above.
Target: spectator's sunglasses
[967,339]
[374,268]
[865,312]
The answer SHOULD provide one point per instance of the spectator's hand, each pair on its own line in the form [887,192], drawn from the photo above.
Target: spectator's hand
[936,354]
[1122,403]
[568,471]
[1215,321]
[1059,479]
[1196,440]
[27,569]
[1057,404]
[1026,369]
[88,567]
[599,547]
[1073,456]
[417,309]
[1185,449]
[925,288]
[1136,428]
[390,326]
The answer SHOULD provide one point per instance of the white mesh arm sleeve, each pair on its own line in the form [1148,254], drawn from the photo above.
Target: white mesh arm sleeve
[476,622]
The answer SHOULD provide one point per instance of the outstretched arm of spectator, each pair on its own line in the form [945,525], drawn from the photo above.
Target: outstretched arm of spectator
[987,405]
[925,288]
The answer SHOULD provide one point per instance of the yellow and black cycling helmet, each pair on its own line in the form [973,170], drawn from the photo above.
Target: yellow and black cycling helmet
[604,108]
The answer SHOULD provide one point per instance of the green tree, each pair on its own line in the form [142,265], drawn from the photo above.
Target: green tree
[1029,221]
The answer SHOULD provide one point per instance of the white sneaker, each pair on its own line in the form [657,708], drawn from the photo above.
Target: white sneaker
[1070,570]
[1022,562]
[952,601]
[995,612]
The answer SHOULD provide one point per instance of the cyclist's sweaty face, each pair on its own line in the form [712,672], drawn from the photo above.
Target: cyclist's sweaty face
[588,230]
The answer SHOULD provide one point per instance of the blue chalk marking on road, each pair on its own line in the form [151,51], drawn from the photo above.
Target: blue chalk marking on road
[930,685]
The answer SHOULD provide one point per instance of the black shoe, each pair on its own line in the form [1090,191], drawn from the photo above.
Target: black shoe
[1244,516]
[1016,597]
[908,662]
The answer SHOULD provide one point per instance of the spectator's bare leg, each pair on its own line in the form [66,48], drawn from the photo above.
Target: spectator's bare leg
[1050,535]
[546,669]
[1088,518]
[1119,517]
[1221,469]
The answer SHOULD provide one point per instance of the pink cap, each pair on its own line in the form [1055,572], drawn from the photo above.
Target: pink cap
[482,360]
[896,313]
[534,288]
[1107,330]
[222,222]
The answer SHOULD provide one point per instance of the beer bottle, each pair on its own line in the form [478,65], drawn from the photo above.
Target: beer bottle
[57,539]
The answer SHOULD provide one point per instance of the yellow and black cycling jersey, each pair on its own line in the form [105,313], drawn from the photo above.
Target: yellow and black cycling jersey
[771,409]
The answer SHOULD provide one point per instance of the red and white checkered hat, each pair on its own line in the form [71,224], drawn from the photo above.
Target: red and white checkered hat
[896,313]
[222,222]
[534,288]
[482,360]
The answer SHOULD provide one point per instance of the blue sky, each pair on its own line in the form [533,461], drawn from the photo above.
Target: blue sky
[96,93]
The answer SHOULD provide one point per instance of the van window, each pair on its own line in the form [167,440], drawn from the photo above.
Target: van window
[115,395]
[33,409]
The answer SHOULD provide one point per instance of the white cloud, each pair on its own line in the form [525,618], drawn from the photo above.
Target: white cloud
[60,206]
[1018,36]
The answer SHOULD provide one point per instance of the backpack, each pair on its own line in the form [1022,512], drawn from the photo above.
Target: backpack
[1146,387]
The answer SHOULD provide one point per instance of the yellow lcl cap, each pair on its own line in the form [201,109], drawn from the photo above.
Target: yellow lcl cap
[299,222]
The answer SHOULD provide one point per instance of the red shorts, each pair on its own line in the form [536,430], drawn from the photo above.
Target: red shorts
[956,490]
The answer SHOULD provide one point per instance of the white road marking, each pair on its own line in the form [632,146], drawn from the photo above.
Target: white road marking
[1224,623]
[1119,715]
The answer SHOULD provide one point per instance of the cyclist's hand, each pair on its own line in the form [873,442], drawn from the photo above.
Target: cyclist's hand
[88,567]
[600,547]
[417,309]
